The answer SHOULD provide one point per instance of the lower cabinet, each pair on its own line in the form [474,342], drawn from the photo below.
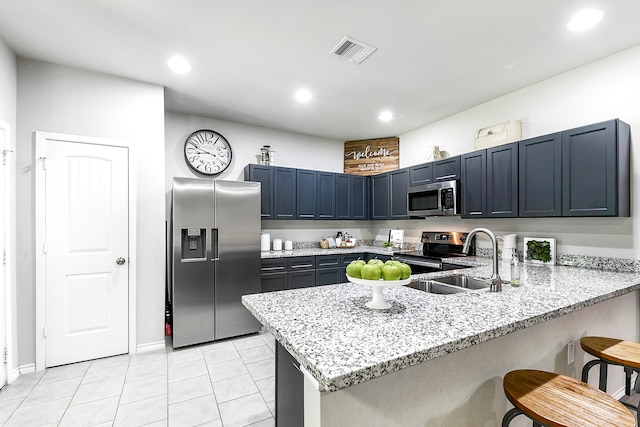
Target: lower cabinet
[289,390]
[279,274]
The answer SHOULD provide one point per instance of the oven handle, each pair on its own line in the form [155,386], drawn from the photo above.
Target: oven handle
[411,261]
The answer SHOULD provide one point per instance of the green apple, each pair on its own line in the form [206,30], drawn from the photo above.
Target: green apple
[391,272]
[360,261]
[354,269]
[405,270]
[390,261]
[370,272]
[375,261]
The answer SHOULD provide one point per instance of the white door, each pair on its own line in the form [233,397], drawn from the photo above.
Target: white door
[86,251]
[4,241]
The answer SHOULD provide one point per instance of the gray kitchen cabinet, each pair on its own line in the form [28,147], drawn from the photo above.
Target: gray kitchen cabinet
[398,184]
[359,197]
[326,195]
[301,272]
[284,193]
[274,274]
[306,185]
[329,270]
[380,196]
[343,196]
[595,170]
[421,174]
[540,176]
[289,390]
[473,184]
[264,175]
[447,169]
[502,181]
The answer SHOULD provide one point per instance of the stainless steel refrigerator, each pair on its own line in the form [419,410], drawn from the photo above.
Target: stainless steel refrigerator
[215,258]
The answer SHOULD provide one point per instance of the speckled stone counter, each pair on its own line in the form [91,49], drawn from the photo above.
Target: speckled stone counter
[319,251]
[341,343]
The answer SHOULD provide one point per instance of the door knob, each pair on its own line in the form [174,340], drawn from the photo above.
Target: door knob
[120,261]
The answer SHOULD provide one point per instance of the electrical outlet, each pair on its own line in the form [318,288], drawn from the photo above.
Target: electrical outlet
[571,352]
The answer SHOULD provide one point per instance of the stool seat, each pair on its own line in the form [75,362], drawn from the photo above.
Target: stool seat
[626,353]
[559,401]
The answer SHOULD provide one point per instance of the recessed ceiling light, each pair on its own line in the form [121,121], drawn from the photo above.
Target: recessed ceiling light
[303,95]
[179,65]
[584,20]
[385,116]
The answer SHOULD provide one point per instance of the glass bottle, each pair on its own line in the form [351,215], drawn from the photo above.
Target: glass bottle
[515,268]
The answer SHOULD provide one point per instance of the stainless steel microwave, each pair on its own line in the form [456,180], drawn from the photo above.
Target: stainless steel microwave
[437,199]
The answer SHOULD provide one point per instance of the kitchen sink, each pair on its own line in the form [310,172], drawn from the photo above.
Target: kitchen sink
[450,284]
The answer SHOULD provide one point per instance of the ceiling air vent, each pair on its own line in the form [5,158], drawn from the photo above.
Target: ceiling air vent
[352,50]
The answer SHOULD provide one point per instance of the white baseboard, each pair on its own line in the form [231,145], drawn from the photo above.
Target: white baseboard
[152,346]
[13,375]
[26,369]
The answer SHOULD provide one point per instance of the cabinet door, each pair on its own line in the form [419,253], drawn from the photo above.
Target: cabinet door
[302,279]
[590,170]
[330,276]
[447,169]
[473,197]
[284,193]
[398,184]
[539,176]
[347,258]
[263,175]
[326,196]
[274,282]
[343,196]
[502,181]
[360,197]
[421,174]
[306,184]
[380,196]
[289,390]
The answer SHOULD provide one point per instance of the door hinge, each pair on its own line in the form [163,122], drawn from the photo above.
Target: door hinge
[4,156]
[4,257]
[44,162]
[44,331]
[6,355]
[44,247]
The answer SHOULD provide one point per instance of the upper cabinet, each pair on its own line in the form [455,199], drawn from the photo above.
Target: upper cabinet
[577,172]
[326,195]
[540,176]
[421,174]
[398,184]
[595,170]
[360,197]
[263,175]
[306,185]
[380,196]
[284,193]
[473,184]
[447,169]
[502,181]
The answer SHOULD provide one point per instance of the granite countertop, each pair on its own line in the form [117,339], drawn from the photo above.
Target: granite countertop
[341,342]
[319,251]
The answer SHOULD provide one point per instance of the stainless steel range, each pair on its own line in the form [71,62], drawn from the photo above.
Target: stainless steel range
[436,245]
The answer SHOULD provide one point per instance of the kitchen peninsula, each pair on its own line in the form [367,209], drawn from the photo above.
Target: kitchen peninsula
[438,360]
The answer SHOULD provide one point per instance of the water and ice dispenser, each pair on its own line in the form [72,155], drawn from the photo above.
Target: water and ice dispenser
[193,243]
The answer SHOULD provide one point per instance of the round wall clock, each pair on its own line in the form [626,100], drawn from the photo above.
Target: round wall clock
[207,152]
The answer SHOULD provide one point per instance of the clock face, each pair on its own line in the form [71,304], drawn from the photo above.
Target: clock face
[207,152]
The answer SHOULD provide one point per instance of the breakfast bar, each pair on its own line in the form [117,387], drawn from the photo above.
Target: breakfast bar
[439,359]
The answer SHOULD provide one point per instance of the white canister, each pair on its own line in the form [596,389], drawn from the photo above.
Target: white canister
[288,245]
[277,244]
[265,242]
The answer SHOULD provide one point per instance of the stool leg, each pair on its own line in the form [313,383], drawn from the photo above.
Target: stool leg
[627,380]
[510,415]
[603,376]
[586,368]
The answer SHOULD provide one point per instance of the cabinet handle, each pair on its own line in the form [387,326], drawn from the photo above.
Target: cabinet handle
[475,213]
[271,268]
[440,178]
[302,266]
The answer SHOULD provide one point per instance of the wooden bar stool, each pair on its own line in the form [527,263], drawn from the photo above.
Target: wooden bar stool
[559,401]
[611,351]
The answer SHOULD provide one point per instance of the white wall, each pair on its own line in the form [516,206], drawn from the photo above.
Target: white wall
[8,88]
[65,100]
[606,89]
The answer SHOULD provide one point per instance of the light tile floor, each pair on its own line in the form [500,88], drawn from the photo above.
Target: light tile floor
[229,383]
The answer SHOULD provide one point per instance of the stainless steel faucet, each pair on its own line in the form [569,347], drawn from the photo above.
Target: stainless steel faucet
[496,282]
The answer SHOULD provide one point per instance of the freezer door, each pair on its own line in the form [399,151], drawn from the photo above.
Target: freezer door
[193,269]
[237,221]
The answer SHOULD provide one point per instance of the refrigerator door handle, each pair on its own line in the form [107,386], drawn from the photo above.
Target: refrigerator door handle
[214,244]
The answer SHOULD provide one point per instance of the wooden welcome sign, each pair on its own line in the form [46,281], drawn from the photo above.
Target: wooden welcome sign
[371,156]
